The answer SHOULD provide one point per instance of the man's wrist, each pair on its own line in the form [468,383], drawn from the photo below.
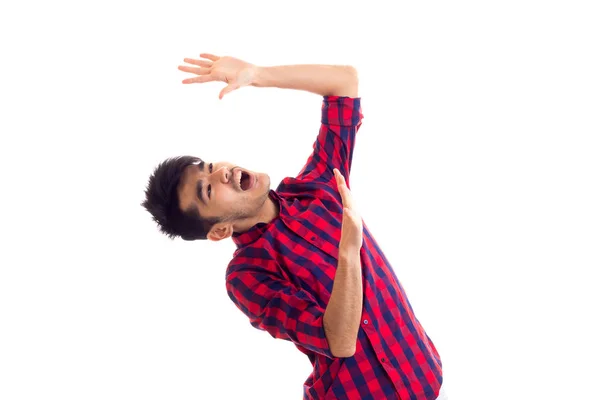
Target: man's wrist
[258,77]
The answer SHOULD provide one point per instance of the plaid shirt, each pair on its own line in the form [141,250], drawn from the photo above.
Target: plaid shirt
[281,277]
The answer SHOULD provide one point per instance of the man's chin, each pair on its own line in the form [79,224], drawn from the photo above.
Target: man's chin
[263,179]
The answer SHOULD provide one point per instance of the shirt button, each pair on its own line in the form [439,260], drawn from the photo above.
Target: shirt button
[383,359]
[313,237]
[366,321]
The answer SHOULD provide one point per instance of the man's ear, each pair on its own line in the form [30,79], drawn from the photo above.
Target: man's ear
[220,232]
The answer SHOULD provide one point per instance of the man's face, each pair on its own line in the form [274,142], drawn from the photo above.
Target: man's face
[223,190]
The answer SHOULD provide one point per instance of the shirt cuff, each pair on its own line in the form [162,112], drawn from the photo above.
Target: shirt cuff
[341,111]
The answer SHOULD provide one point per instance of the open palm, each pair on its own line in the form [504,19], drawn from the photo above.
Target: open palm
[233,71]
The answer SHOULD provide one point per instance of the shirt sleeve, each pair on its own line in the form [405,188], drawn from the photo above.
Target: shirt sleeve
[341,118]
[275,305]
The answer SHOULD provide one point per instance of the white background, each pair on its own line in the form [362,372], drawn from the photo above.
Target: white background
[476,168]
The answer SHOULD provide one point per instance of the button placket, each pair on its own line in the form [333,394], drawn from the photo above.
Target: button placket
[366,322]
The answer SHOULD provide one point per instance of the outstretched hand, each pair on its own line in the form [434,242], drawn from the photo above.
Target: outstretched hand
[235,72]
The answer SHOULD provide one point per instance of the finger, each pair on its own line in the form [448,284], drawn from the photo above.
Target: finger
[198,79]
[194,70]
[227,89]
[347,200]
[339,177]
[209,56]
[337,174]
[201,63]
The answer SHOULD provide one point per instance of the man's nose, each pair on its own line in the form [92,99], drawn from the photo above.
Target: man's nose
[222,174]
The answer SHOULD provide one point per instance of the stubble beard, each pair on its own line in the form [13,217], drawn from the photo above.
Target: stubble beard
[248,208]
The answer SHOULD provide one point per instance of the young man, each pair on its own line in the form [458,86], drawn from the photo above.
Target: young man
[305,269]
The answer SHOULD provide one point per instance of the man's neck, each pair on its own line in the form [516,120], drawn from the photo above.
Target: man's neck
[268,212]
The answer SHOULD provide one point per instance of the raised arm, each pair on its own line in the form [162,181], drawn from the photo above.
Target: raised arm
[324,80]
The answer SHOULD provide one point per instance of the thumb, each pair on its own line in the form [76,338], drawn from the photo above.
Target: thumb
[227,89]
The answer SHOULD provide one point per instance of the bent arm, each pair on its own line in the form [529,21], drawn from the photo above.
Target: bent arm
[325,80]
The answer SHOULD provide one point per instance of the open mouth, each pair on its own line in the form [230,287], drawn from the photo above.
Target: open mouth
[245,181]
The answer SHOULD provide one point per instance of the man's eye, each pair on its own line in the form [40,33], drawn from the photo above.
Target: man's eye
[210,170]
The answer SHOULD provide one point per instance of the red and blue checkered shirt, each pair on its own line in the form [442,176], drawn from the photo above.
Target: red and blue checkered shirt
[282,272]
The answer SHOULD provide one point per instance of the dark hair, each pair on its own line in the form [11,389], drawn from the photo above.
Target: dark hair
[162,202]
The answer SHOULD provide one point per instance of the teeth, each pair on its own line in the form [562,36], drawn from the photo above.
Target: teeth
[240,180]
